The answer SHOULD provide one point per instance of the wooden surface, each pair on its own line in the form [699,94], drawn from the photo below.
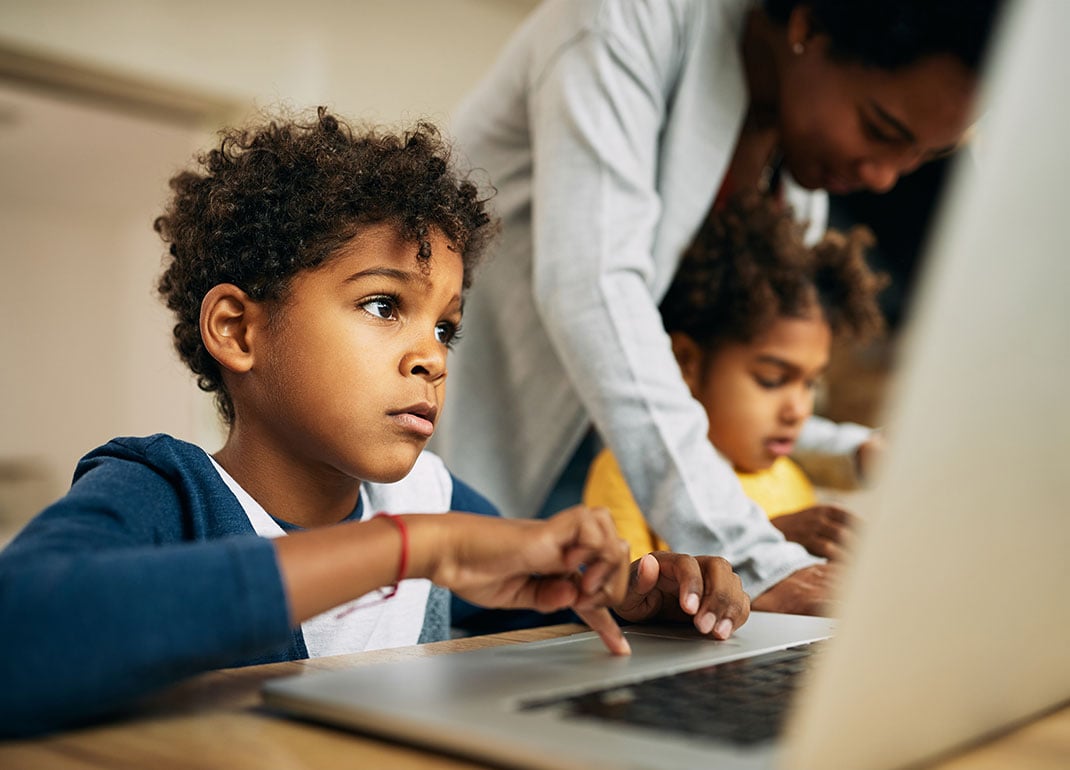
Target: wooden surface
[216,720]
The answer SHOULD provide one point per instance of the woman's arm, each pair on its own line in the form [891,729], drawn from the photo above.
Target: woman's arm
[597,117]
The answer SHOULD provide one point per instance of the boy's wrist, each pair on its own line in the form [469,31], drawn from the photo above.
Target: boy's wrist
[428,539]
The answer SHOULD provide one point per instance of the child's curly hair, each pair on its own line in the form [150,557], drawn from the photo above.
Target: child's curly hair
[748,265]
[281,197]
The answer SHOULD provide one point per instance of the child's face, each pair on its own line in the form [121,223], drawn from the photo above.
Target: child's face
[356,360]
[757,395]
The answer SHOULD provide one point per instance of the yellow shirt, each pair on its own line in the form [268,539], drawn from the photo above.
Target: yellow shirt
[782,488]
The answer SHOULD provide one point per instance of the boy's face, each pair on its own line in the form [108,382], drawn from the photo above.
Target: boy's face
[757,395]
[355,369]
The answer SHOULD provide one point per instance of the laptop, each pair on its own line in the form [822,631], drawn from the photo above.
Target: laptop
[954,622]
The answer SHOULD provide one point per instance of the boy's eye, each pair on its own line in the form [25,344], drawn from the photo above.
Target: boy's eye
[448,333]
[381,307]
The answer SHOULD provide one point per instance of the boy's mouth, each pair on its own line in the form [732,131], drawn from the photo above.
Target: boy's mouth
[417,418]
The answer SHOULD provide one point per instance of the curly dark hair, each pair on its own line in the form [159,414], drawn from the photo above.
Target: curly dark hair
[890,34]
[748,266]
[282,196]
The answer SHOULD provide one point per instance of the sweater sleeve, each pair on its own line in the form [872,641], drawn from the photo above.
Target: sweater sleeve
[596,115]
[107,595]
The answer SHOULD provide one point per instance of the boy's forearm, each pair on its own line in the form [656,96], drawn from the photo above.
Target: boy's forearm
[322,568]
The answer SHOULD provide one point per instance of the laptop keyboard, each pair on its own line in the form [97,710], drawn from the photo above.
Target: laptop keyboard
[743,701]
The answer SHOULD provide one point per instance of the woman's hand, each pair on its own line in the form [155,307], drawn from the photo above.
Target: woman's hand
[824,530]
[676,586]
[574,559]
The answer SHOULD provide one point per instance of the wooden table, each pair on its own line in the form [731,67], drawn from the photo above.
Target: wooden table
[216,720]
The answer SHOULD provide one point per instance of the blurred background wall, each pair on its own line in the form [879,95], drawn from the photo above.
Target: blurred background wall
[101,101]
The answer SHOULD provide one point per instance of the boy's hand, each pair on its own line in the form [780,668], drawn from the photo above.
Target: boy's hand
[806,592]
[675,586]
[574,559]
[824,530]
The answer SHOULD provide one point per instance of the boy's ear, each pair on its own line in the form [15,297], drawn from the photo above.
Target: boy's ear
[229,323]
[689,356]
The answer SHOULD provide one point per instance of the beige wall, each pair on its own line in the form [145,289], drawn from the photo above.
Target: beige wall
[84,343]
[379,59]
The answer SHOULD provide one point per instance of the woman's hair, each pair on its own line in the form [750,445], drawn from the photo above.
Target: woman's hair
[890,34]
[748,266]
[281,197]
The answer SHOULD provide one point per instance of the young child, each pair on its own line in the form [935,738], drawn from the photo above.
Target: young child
[317,276]
[752,314]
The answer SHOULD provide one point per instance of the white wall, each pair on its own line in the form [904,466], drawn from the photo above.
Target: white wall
[377,59]
[83,340]
[85,349]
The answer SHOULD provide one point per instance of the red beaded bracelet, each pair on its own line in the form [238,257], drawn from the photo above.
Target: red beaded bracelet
[403,561]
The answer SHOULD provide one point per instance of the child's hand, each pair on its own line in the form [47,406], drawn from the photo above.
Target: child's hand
[537,564]
[675,586]
[823,530]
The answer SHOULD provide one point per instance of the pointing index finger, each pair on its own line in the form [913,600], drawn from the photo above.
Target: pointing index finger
[601,622]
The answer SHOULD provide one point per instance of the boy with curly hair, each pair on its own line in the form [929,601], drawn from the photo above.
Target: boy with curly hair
[752,314]
[317,275]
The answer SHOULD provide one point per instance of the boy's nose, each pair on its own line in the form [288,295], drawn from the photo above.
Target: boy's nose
[427,359]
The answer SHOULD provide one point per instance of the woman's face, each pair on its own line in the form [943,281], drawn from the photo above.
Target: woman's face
[846,127]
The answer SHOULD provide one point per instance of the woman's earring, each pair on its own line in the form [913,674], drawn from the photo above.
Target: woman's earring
[797,49]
